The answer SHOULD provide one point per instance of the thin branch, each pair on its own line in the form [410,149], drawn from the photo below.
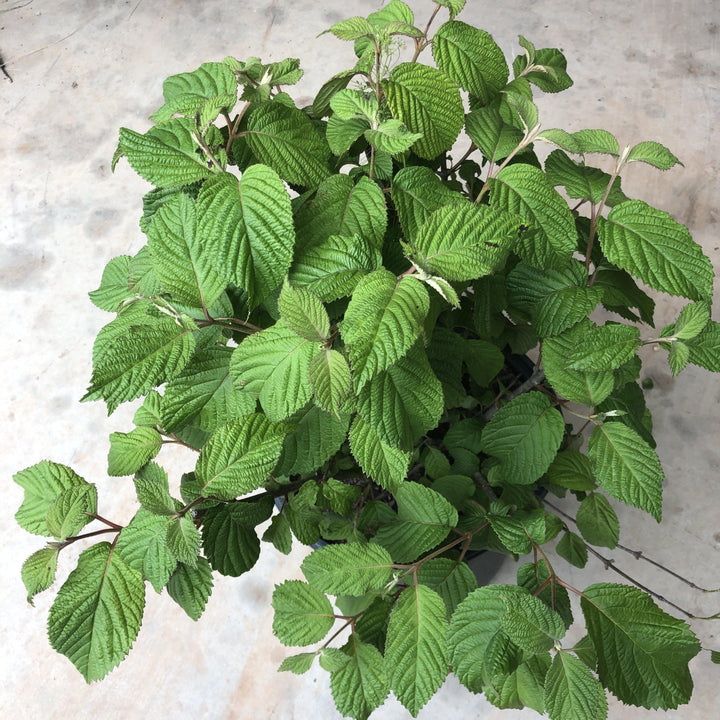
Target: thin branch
[109,523]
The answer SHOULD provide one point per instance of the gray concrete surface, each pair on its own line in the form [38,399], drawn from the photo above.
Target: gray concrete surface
[644,70]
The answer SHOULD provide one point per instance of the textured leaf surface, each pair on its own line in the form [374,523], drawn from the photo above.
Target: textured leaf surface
[97,612]
[303,615]
[581,181]
[183,540]
[297,664]
[495,138]
[705,347]
[572,692]
[642,652]
[597,521]
[114,285]
[330,380]
[304,313]
[416,651]
[626,467]
[531,624]
[452,580]
[653,153]
[130,451]
[385,464]
[38,571]
[605,347]
[71,510]
[190,587]
[572,548]
[231,546]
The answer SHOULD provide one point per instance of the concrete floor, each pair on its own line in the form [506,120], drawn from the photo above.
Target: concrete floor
[648,69]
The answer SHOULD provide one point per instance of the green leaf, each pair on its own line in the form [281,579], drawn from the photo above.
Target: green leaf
[656,249]
[450,579]
[114,285]
[148,414]
[524,191]
[391,136]
[572,692]
[303,615]
[465,242]
[705,347]
[229,541]
[484,360]
[351,569]
[549,71]
[43,483]
[298,664]
[653,153]
[382,322]
[166,155]
[580,181]
[348,104]
[572,548]
[273,365]
[385,464]
[678,357]
[352,29]
[330,379]
[531,624]
[304,313]
[403,402]
[38,571]
[183,540]
[517,532]
[342,134]
[454,6]
[562,139]
[525,435]
[285,139]
[97,612]
[715,657]
[361,684]
[495,138]
[571,469]
[279,534]
[642,652]
[179,255]
[693,319]
[71,510]
[239,457]
[605,347]
[597,521]
[139,359]
[130,451]
[626,467]
[247,229]
[471,58]
[596,141]
[532,577]
[190,587]
[154,495]
[428,103]
[416,652]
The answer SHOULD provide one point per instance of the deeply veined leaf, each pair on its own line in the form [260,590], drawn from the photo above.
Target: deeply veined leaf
[428,103]
[651,245]
[596,141]
[43,483]
[531,624]
[342,134]
[416,651]
[182,264]
[605,347]
[135,361]
[692,320]
[348,104]
[580,181]
[153,491]
[114,285]
[38,571]
[285,139]
[273,366]
[404,401]
[247,229]
[382,322]
[239,456]
[360,685]
[304,313]
[705,347]
[597,521]
[642,652]
[231,546]
[517,532]
[653,153]
[72,510]
[183,540]
[525,435]
[351,569]
[495,138]
[352,28]
[330,380]
[572,548]
[549,70]
[392,137]
[454,6]
[571,469]
[130,451]
[471,58]
[190,587]
[303,615]
[166,155]
[626,467]
[678,356]
[465,242]
[572,692]
[532,577]
[450,579]
[97,612]
[524,191]
[298,664]
[385,464]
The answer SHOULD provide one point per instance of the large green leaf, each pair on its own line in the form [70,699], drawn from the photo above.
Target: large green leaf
[642,652]
[190,587]
[97,612]
[429,103]
[330,379]
[653,153]
[495,138]
[626,467]
[605,347]
[531,624]
[416,651]
[303,615]
[471,58]
[654,247]
[525,435]
[705,347]
[247,229]
[382,322]
[572,692]
[304,313]
[239,457]
[273,366]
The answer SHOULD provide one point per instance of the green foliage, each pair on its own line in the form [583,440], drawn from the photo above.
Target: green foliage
[328,310]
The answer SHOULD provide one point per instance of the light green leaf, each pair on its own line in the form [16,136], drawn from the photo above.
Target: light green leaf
[114,285]
[148,414]
[391,136]
[153,494]
[416,651]
[304,313]
[562,139]
[229,540]
[471,58]
[597,521]
[349,104]
[653,153]
[298,664]
[341,135]
[239,457]
[273,365]
[495,138]
[656,249]
[71,510]
[572,548]
[596,141]
[382,322]
[38,571]
[692,320]
[427,102]
[43,483]
[678,356]
[130,451]
[572,692]
[525,435]
[97,612]
[454,6]
[450,579]
[705,347]
[626,467]
[330,379]
[385,464]
[605,347]
[190,587]
[303,615]
[531,624]
[183,540]
[525,108]
[351,569]
[642,652]
[247,229]
[352,29]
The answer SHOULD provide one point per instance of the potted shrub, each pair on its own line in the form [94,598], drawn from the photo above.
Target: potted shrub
[333,312]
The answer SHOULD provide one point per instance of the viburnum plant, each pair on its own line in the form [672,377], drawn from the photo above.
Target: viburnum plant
[329,310]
